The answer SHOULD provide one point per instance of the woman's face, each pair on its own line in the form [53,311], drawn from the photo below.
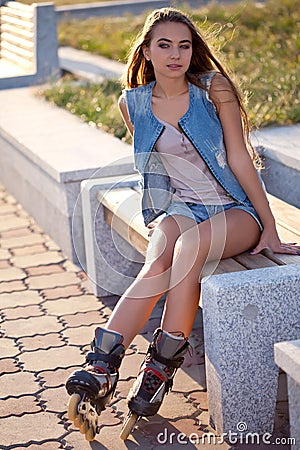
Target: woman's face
[170,49]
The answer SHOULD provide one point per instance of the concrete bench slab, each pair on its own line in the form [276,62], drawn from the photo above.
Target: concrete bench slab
[287,357]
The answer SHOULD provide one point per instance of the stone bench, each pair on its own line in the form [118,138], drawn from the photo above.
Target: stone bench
[287,357]
[28,44]
[249,302]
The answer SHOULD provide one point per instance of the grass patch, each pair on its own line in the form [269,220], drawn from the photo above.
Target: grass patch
[94,103]
[260,43]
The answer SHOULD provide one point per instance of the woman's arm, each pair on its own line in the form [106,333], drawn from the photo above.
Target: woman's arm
[241,164]
[124,114]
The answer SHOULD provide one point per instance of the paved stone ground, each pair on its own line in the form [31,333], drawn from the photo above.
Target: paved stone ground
[47,320]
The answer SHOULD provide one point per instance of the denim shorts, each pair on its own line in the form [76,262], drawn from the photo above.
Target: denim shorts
[200,213]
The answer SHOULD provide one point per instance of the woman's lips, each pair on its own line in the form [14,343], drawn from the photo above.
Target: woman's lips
[174,66]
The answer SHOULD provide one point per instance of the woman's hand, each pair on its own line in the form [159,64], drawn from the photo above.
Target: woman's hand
[152,225]
[269,240]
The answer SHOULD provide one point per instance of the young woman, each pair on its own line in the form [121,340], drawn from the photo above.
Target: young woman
[191,145]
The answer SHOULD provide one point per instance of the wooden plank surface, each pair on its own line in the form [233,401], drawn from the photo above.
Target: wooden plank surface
[287,216]
[123,213]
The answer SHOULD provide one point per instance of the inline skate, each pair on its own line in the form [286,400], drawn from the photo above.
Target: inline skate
[155,379]
[93,387]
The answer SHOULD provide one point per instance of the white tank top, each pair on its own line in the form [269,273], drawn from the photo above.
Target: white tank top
[190,177]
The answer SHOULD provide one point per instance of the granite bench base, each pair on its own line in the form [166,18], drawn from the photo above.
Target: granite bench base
[111,263]
[244,315]
[287,357]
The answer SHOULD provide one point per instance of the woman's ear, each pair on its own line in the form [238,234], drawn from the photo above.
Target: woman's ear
[146,52]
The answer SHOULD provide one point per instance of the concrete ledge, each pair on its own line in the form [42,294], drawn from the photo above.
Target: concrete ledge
[85,65]
[118,8]
[45,153]
[287,357]
[245,314]
[280,146]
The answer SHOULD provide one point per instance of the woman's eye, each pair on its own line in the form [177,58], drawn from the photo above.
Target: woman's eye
[185,47]
[163,45]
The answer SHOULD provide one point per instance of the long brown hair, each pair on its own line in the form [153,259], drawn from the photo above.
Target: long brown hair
[140,71]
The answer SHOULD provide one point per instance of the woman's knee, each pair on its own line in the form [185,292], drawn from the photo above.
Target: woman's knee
[156,267]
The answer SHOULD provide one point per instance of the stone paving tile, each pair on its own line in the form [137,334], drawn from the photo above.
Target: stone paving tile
[49,445]
[12,274]
[37,259]
[11,286]
[32,326]
[72,305]
[51,245]
[52,281]
[8,217]
[85,318]
[4,253]
[61,292]
[204,420]
[52,358]
[22,241]
[141,343]
[13,223]
[22,312]
[20,383]
[10,199]
[56,399]
[79,336]
[190,379]
[70,267]
[109,418]
[6,209]
[34,428]
[8,365]
[109,439]
[44,270]
[123,388]
[55,378]
[151,326]
[15,233]
[41,342]
[13,299]
[175,402]
[4,264]
[130,366]
[8,348]
[17,406]
[173,433]
[30,250]
[199,399]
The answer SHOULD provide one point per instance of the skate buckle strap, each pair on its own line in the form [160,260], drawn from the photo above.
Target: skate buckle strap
[175,363]
[114,360]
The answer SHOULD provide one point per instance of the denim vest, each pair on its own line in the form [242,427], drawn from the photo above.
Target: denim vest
[202,127]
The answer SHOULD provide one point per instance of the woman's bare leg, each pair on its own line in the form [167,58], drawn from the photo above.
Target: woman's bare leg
[136,304]
[240,234]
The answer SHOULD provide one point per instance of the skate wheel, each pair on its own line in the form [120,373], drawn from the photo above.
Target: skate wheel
[128,426]
[84,427]
[73,406]
[90,434]
[78,421]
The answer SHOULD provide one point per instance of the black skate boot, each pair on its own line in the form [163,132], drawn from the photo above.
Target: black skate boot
[93,387]
[155,379]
